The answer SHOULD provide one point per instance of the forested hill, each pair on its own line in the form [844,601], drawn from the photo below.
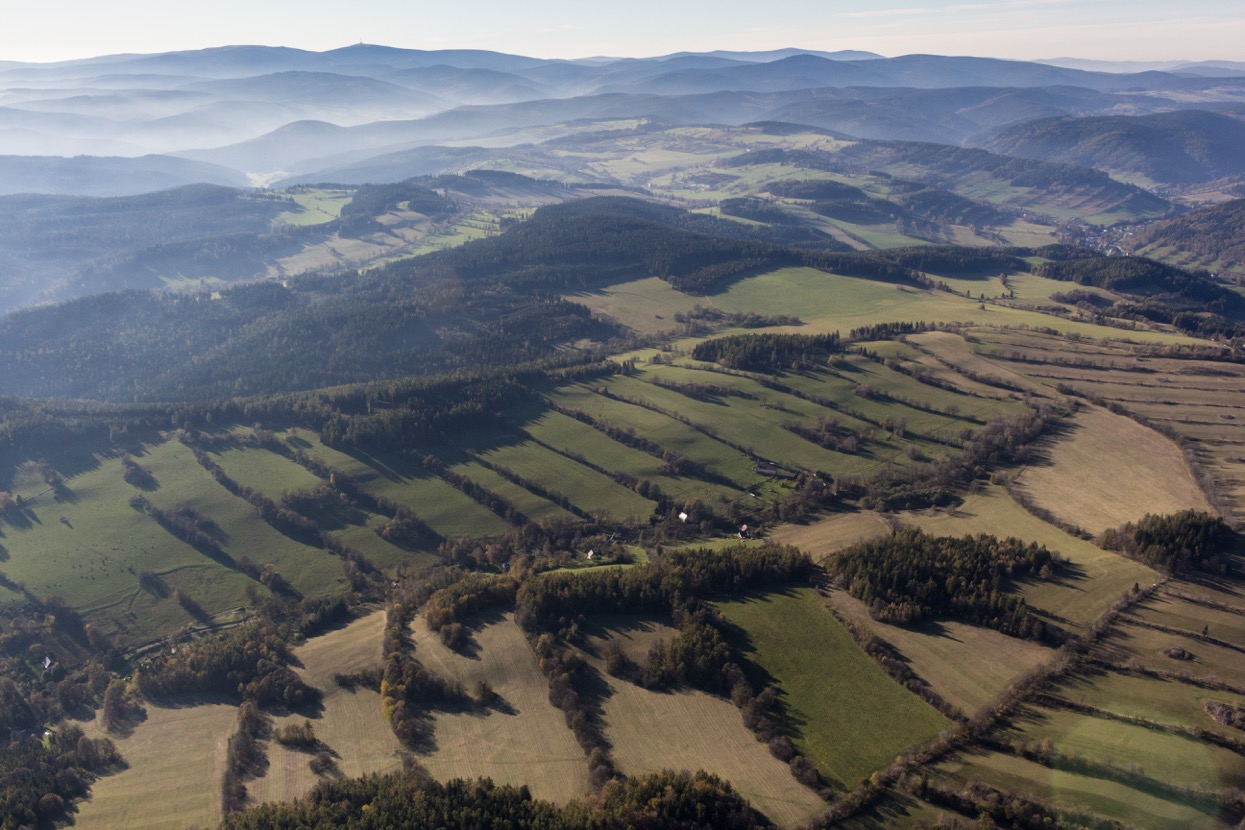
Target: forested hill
[492,302]
[1212,237]
[1167,148]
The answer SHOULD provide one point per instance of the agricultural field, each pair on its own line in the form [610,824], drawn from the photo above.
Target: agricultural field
[1194,400]
[966,665]
[829,687]
[826,536]
[688,729]
[153,794]
[1157,755]
[350,723]
[84,542]
[1076,793]
[652,731]
[1148,474]
[521,739]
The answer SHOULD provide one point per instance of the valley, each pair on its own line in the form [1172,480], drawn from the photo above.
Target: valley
[600,446]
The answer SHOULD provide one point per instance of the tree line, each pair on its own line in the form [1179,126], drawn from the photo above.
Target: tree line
[911,576]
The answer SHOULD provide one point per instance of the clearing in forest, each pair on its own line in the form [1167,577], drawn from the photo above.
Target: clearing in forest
[350,724]
[826,536]
[655,730]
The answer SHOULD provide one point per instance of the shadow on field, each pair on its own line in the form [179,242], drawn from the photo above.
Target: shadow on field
[790,721]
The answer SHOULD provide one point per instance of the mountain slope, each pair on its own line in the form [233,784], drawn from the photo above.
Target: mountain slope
[1169,148]
[1212,238]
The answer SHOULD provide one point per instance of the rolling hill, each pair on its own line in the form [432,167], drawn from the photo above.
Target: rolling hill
[1174,148]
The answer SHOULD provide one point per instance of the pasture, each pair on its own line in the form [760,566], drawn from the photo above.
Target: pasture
[691,730]
[350,724]
[87,544]
[1076,792]
[1158,755]
[839,708]
[825,536]
[687,729]
[1151,698]
[1148,648]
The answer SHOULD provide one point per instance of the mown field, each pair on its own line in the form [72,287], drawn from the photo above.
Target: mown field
[521,739]
[154,792]
[687,729]
[349,722]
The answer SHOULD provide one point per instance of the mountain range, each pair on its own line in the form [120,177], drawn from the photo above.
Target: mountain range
[264,113]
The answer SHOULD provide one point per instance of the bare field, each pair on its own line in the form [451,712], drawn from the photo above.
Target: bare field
[154,793]
[524,740]
[350,724]
[824,537]
[1110,470]
[966,665]
[652,731]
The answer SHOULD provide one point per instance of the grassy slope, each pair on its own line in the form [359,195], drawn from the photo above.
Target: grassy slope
[831,689]
[966,665]
[89,548]
[1069,790]
[350,724]
[652,731]
[825,536]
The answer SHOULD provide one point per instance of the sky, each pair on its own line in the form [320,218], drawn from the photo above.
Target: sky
[1146,30]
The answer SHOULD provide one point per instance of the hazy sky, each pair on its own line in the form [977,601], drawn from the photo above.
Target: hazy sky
[1107,29]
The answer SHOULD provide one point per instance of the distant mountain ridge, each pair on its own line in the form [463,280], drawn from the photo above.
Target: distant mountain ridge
[1170,148]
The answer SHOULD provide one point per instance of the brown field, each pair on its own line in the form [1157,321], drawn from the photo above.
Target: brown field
[1109,470]
[825,536]
[350,724]
[652,731]
[1196,399]
[176,759]
[966,665]
[525,741]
